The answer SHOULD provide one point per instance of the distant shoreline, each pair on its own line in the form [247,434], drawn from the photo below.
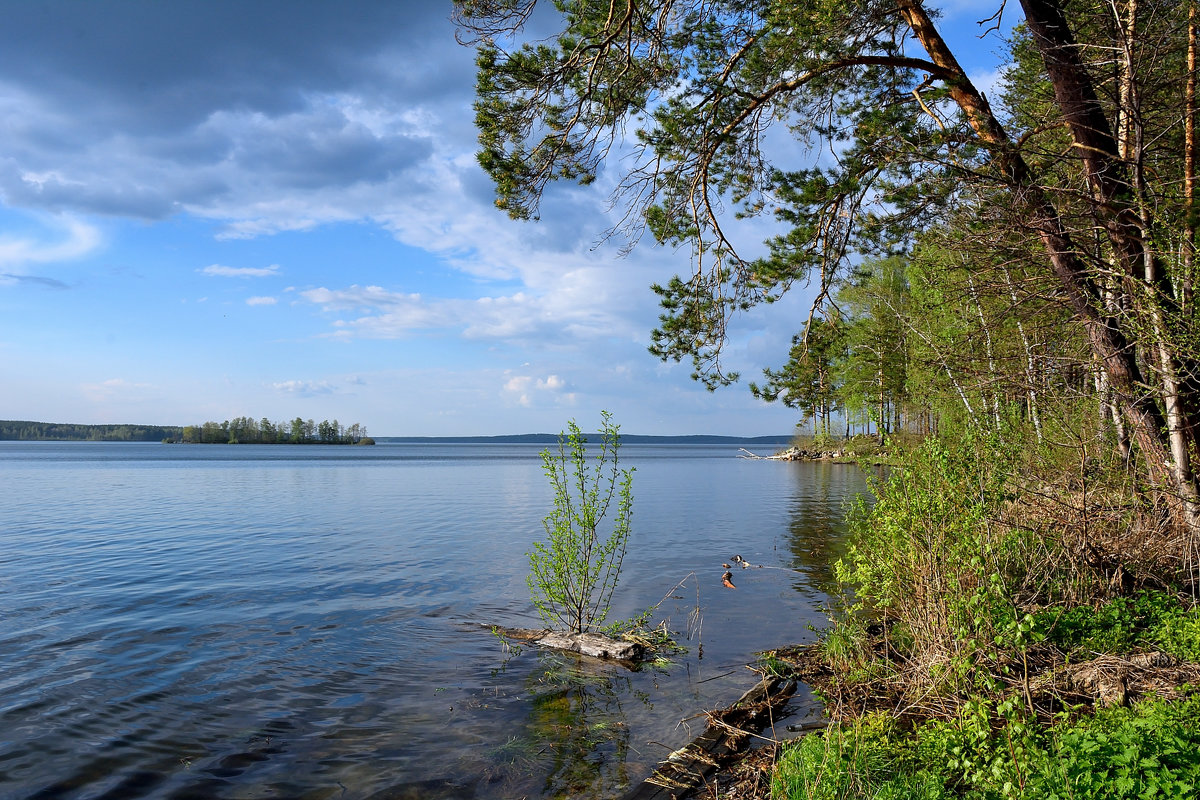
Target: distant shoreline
[552,438]
[29,431]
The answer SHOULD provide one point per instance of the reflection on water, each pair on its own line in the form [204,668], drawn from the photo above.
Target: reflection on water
[576,719]
[824,493]
[235,622]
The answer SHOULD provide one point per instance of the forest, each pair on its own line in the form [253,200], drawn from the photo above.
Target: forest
[239,430]
[24,430]
[1007,273]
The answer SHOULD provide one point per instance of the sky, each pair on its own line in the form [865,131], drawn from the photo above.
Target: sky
[212,209]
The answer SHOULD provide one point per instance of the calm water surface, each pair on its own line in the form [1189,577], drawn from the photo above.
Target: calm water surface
[306,622]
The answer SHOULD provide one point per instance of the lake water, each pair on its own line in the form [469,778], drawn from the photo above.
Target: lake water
[244,621]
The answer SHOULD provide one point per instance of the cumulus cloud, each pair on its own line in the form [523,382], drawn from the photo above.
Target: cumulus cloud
[258,114]
[261,301]
[213,109]
[528,390]
[210,109]
[239,272]
[565,313]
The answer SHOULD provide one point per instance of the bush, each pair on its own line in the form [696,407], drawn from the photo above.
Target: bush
[574,572]
[927,555]
[1148,620]
[1150,750]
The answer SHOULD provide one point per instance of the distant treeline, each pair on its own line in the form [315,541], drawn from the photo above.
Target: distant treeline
[626,438]
[244,430]
[62,431]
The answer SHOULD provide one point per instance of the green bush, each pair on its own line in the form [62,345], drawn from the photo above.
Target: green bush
[926,553]
[574,572]
[1149,751]
[844,645]
[1178,634]
[867,758]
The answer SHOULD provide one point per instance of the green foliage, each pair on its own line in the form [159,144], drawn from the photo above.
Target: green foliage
[870,757]
[873,374]
[23,430]
[1178,633]
[843,646]
[925,555]
[1147,620]
[807,381]
[244,430]
[1151,750]
[574,572]
[1118,626]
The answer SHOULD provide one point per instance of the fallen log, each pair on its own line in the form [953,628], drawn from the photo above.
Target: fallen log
[728,732]
[596,645]
[794,454]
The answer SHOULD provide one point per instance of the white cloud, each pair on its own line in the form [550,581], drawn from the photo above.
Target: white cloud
[261,301]
[239,272]
[527,390]
[560,304]
[111,389]
[304,388]
[76,239]
[989,82]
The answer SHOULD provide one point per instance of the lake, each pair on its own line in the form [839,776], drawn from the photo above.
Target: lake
[245,621]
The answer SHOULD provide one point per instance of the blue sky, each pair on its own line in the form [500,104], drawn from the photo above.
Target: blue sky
[216,209]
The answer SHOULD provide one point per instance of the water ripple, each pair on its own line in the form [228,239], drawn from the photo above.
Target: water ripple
[185,622]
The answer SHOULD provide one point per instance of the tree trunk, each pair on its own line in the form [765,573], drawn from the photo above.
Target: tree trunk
[1076,98]
[1189,162]
[1030,373]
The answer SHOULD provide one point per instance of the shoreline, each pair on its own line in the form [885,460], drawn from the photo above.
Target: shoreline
[731,757]
[1109,683]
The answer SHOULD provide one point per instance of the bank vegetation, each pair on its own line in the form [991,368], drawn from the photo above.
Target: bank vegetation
[1010,276]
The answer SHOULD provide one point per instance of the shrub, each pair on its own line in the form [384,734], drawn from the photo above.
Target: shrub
[1149,619]
[927,553]
[574,572]
[1150,750]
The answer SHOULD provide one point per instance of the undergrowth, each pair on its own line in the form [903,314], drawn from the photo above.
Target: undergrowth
[986,571]
[1149,750]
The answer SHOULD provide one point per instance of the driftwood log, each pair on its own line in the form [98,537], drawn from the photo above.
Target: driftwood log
[794,454]
[596,645]
[728,732]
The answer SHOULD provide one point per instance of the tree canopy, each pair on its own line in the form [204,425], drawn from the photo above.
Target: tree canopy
[1072,198]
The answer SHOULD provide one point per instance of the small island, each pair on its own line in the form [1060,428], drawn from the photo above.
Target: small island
[245,430]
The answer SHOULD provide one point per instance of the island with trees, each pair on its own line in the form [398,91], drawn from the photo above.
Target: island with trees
[246,430]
